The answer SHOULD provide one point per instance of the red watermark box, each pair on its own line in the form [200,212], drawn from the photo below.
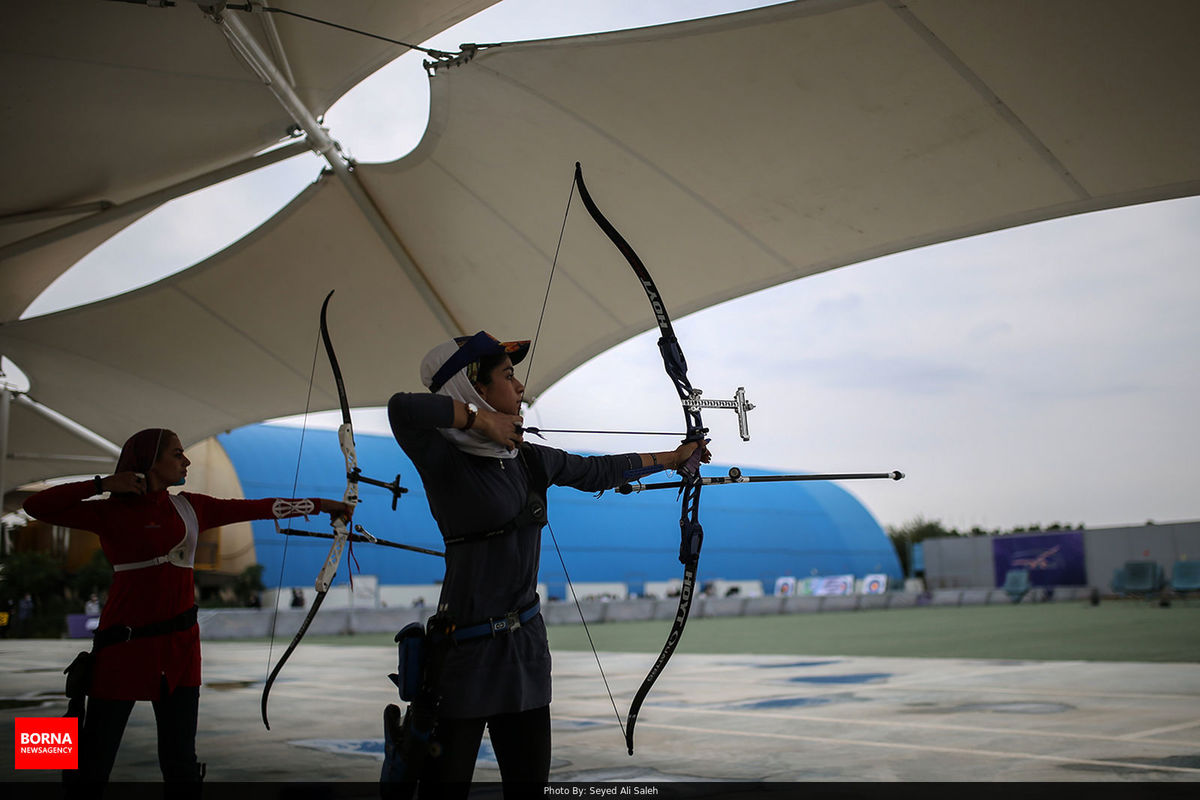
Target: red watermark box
[46,743]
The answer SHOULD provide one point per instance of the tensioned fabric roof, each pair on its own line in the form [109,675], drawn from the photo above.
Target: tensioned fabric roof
[108,101]
[734,153]
[114,108]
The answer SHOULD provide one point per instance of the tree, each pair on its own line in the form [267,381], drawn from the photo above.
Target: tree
[38,574]
[93,577]
[248,583]
[917,530]
[41,577]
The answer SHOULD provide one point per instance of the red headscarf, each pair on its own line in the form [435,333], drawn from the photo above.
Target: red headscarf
[142,450]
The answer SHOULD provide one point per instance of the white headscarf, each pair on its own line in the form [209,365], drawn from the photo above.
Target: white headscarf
[460,388]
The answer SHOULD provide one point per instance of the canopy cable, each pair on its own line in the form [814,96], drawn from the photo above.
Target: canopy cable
[439,54]
[443,59]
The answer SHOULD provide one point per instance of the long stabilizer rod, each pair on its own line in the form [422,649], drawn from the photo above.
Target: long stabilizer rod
[735,476]
[362,536]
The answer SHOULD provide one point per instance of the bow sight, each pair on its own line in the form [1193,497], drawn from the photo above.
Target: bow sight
[739,403]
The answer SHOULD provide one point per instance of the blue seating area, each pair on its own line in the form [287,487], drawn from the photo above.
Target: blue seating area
[1147,579]
[1118,581]
[1143,577]
[1017,584]
[1139,579]
[1185,577]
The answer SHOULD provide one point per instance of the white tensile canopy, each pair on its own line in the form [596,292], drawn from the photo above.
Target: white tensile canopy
[112,105]
[114,109]
[734,153]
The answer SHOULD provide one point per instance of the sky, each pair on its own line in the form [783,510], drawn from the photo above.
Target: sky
[1036,375]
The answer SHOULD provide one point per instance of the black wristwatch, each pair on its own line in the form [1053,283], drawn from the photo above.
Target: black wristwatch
[472,410]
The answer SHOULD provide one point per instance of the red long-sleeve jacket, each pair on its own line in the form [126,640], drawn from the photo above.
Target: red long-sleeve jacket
[135,529]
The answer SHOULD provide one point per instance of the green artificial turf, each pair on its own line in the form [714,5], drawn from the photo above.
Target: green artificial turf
[1128,630]
[1112,631]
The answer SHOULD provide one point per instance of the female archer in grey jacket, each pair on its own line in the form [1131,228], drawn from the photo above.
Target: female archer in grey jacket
[486,489]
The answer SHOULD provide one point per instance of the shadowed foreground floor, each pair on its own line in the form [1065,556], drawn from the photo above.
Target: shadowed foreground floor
[1001,694]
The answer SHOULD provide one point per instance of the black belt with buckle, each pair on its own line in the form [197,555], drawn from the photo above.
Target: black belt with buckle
[117,634]
[495,626]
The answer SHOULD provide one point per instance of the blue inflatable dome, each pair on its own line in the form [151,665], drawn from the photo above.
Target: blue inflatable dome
[757,531]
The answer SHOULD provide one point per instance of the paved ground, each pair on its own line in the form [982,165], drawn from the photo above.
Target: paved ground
[772,718]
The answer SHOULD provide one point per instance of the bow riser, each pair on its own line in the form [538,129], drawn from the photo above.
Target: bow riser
[675,365]
[341,535]
[346,442]
[334,559]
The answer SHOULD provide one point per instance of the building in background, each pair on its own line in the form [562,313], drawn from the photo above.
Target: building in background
[1057,558]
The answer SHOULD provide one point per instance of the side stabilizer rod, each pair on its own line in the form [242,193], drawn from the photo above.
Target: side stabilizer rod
[392,486]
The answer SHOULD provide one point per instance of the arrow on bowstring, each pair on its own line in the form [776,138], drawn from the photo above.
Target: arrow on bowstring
[539,431]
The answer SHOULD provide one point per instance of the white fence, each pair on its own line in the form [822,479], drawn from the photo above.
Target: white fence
[239,623]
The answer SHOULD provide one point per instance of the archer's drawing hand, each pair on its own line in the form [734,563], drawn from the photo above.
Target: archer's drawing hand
[504,429]
[125,483]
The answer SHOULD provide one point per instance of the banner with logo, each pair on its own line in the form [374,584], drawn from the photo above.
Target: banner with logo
[46,743]
[1053,559]
[833,585]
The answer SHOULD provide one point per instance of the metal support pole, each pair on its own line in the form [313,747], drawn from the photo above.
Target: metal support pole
[69,425]
[264,66]
[104,212]
[5,400]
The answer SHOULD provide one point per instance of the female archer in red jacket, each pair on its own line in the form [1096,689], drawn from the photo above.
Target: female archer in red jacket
[147,645]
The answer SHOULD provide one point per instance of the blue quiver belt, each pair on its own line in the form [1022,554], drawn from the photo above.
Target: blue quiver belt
[410,667]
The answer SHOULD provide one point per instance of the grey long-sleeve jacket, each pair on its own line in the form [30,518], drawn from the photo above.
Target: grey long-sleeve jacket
[490,577]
